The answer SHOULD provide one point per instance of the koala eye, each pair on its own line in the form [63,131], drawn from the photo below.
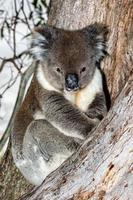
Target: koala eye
[58,69]
[83,69]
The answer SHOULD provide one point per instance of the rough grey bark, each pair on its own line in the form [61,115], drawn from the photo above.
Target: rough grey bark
[103,166]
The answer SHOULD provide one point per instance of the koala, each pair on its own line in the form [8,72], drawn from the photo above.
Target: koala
[64,102]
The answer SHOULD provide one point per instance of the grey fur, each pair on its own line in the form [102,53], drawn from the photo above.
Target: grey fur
[97,108]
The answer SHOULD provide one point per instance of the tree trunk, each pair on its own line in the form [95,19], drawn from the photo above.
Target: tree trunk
[103,166]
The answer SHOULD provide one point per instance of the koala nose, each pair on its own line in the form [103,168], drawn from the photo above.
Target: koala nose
[71,82]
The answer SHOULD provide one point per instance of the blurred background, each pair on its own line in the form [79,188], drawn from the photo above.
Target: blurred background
[17,19]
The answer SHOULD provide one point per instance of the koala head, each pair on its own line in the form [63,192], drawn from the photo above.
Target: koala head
[68,58]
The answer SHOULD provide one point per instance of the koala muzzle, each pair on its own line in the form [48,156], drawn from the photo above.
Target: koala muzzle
[71,82]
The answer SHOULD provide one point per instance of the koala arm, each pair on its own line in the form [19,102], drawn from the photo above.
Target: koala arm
[64,116]
[97,108]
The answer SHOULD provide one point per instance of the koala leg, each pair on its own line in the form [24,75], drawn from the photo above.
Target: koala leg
[44,150]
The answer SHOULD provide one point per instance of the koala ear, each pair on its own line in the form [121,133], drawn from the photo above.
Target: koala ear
[42,39]
[97,37]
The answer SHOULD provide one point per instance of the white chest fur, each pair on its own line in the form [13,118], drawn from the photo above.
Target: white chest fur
[87,95]
[82,98]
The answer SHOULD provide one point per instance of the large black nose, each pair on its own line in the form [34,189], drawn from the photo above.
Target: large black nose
[71,82]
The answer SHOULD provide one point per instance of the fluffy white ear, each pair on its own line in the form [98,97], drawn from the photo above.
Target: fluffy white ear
[97,37]
[42,39]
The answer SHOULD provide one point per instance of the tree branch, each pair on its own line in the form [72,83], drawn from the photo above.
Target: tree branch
[12,60]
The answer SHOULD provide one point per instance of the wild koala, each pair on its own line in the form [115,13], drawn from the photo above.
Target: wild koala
[64,102]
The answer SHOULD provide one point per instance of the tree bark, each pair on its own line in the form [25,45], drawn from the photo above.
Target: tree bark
[103,166]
